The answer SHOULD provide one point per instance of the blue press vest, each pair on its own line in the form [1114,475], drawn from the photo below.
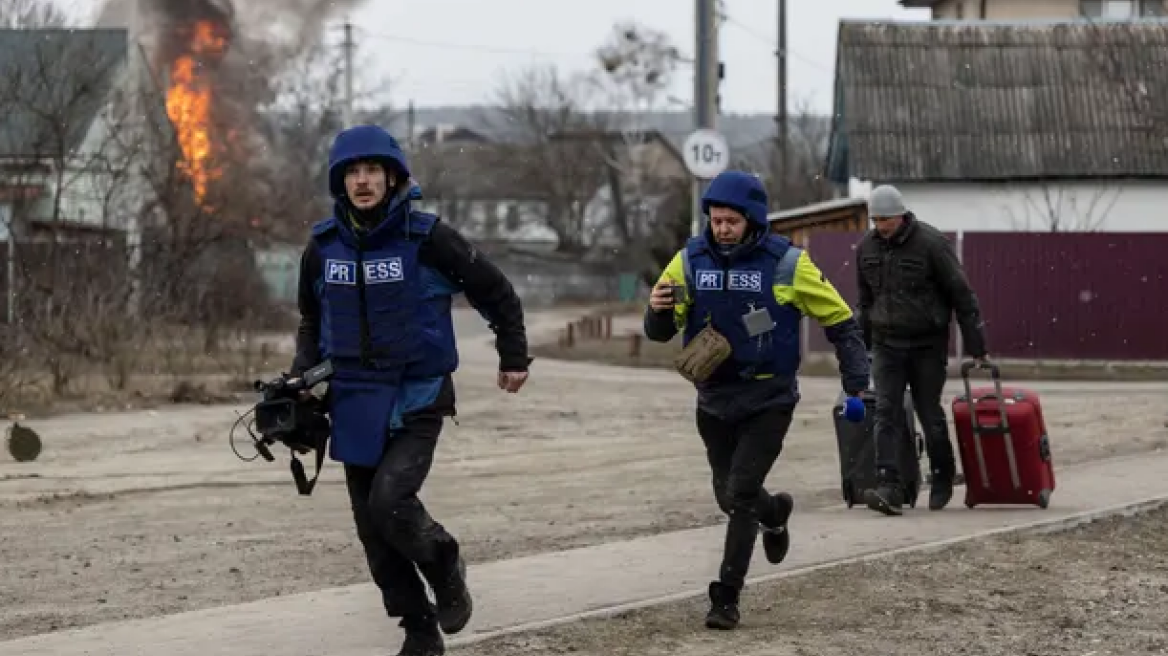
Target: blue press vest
[722,293]
[406,305]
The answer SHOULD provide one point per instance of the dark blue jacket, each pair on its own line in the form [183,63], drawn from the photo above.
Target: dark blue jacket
[376,299]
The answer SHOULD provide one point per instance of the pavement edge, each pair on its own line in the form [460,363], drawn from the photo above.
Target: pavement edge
[1038,527]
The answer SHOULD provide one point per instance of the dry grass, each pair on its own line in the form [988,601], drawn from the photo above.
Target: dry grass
[177,368]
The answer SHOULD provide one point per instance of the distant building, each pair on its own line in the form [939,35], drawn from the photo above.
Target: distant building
[1038,9]
[1055,125]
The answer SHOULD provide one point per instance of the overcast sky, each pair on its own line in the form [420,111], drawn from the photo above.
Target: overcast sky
[451,52]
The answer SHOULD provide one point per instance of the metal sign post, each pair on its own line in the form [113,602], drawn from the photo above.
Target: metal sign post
[706,155]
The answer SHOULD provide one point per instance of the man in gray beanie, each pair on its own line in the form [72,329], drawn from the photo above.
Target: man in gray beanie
[910,285]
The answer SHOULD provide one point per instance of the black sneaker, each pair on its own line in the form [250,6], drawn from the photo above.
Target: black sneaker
[422,639]
[776,537]
[723,614]
[887,497]
[451,596]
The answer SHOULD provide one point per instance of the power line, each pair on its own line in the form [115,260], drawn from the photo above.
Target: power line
[772,43]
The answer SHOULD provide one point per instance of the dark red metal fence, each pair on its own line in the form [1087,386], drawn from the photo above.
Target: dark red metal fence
[1055,296]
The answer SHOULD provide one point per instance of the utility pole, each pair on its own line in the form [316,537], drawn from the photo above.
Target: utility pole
[782,141]
[139,73]
[8,227]
[706,78]
[348,47]
[411,124]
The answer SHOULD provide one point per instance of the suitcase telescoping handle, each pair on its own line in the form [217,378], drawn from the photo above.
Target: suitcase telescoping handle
[1002,428]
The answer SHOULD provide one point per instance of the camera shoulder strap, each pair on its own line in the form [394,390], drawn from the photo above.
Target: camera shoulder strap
[303,484]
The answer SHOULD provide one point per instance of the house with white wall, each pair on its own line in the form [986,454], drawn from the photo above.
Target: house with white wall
[78,112]
[1057,125]
[78,117]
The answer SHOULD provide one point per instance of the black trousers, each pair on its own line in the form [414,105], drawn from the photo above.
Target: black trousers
[741,454]
[400,538]
[923,369]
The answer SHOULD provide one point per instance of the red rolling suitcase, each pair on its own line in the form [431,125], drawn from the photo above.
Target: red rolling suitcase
[1005,450]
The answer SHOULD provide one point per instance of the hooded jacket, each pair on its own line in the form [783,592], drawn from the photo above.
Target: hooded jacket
[375,297]
[763,273]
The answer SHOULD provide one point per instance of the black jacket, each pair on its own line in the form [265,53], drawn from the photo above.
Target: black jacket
[451,254]
[911,284]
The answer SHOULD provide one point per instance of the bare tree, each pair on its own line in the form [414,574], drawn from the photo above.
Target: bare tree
[14,373]
[638,65]
[537,105]
[457,177]
[24,14]
[1052,207]
[115,248]
[199,247]
[645,175]
[298,125]
[74,150]
[804,181]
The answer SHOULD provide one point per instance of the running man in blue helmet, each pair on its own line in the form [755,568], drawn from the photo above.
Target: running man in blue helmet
[753,288]
[376,282]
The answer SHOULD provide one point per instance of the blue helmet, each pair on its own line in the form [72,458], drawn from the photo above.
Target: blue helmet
[364,142]
[739,191]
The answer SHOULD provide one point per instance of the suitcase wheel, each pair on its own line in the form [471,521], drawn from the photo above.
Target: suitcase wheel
[970,504]
[1044,498]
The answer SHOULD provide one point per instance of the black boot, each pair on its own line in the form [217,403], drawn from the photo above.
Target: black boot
[422,638]
[447,577]
[888,496]
[723,613]
[941,490]
[776,538]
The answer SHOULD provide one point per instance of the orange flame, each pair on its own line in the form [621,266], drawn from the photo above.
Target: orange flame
[188,103]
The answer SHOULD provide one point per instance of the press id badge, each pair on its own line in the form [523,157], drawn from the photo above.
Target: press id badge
[758,321]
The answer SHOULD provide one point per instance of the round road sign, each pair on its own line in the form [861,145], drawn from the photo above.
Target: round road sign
[706,153]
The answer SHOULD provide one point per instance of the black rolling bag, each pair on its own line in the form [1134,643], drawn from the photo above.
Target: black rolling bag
[857,451]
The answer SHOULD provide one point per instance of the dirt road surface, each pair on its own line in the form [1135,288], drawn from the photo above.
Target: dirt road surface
[139,514]
[1097,590]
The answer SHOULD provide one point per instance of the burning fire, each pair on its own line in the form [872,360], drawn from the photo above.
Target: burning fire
[188,102]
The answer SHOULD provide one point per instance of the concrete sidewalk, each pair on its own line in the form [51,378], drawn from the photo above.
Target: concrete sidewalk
[536,589]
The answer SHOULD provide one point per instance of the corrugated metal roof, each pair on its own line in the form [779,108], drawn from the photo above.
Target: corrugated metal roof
[53,82]
[940,100]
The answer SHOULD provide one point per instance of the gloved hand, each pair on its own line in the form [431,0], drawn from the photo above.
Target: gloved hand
[854,409]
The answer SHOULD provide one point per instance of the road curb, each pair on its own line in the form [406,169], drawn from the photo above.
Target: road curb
[1039,527]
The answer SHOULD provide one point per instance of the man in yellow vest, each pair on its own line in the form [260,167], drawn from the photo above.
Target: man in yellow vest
[738,293]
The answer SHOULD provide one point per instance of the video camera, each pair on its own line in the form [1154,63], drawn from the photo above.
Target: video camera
[287,415]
